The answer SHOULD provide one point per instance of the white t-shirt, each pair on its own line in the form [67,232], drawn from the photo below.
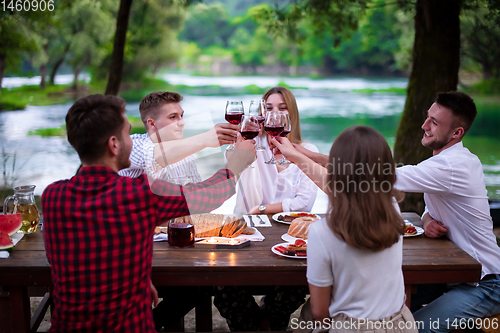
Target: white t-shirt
[365,284]
[264,185]
[455,194]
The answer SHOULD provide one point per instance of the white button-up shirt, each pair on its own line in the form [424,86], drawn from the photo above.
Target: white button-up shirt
[455,194]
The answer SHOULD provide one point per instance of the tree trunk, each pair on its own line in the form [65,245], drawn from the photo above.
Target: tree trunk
[116,67]
[2,68]
[58,64]
[53,74]
[487,71]
[43,75]
[77,71]
[436,60]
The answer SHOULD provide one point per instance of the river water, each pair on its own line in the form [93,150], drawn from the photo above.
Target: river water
[327,107]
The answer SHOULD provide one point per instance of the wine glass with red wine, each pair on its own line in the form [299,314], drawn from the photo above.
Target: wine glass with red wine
[273,125]
[234,113]
[249,129]
[287,128]
[256,109]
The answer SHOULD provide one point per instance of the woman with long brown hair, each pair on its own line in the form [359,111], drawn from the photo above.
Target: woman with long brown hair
[354,255]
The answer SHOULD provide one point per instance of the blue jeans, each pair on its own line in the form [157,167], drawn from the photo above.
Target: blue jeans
[462,302]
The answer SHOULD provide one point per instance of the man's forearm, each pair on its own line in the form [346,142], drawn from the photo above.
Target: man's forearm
[170,152]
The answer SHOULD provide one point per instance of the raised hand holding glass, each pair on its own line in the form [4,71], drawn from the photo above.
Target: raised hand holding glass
[234,113]
[287,128]
[273,125]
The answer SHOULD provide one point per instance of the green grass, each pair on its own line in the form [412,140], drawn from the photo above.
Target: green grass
[136,122]
[46,132]
[488,87]
[19,98]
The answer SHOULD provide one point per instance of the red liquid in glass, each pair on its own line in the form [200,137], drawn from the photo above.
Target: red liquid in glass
[234,118]
[181,234]
[249,134]
[261,119]
[273,131]
[284,133]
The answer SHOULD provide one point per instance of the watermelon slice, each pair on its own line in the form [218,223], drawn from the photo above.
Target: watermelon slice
[5,241]
[10,223]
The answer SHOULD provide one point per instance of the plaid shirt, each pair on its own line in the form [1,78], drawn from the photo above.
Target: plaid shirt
[98,234]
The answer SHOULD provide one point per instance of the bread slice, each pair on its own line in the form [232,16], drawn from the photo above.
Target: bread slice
[300,226]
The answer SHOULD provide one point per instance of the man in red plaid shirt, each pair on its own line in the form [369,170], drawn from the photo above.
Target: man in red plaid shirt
[99,226]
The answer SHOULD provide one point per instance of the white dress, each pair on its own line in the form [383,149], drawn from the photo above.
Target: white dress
[265,185]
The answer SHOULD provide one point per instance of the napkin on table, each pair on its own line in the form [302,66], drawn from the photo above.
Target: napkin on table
[15,238]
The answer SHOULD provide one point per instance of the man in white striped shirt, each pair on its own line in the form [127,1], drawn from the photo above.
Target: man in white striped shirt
[162,116]
[163,153]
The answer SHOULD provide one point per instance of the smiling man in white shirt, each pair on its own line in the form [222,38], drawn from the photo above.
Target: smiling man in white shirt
[163,118]
[455,195]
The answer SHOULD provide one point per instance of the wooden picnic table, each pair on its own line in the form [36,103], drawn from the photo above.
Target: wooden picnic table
[424,261]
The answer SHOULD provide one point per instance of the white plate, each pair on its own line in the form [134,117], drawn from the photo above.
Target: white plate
[290,239]
[419,232]
[275,216]
[285,255]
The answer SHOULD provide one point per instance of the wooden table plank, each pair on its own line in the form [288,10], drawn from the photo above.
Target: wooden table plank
[424,261]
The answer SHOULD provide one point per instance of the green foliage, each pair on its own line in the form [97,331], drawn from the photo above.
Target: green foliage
[18,98]
[488,87]
[480,37]
[152,37]
[46,132]
[18,37]
[137,125]
[207,25]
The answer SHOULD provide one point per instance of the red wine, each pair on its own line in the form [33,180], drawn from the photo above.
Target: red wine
[274,131]
[284,133]
[249,134]
[234,118]
[261,119]
[181,234]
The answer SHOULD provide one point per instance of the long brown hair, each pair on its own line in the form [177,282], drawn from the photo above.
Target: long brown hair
[293,111]
[361,175]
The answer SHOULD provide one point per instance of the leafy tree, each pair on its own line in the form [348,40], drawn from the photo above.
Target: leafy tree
[90,27]
[116,66]
[18,31]
[208,25]
[480,37]
[152,40]
[435,57]
[154,17]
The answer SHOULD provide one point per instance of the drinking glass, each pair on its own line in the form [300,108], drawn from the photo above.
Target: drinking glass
[234,113]
[287,128]
[273,125]
[249,129]
[256,109]
[180,234]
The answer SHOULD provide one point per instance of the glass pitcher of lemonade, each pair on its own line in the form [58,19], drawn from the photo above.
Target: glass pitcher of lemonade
[24,203]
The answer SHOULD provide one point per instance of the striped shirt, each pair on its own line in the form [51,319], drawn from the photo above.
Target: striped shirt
[142,161]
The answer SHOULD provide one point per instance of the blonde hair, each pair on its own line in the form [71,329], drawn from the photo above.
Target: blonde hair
[293,111]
